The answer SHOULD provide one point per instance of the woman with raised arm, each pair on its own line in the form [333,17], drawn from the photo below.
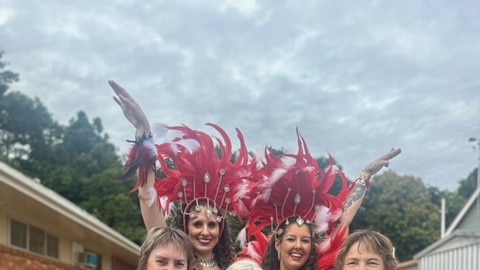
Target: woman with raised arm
[305,210]
[195,182]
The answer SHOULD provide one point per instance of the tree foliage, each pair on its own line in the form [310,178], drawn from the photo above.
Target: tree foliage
[468,185]
[75,160]
[78,162]
[7,77]
[400,207]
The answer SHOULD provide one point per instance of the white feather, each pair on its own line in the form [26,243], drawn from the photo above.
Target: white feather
[325,245]
[191,144]
[274,177]
[242,237]
[150,145]
[159,130]
[322,217]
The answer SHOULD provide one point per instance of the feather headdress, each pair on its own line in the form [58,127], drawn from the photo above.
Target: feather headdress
[294,185]
[197,169]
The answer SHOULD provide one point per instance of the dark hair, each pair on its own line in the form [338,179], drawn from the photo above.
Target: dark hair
[159,236]
[271,261]
[223,251]
[373,241]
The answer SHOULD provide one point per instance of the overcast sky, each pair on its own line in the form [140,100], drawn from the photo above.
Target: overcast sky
[356,77]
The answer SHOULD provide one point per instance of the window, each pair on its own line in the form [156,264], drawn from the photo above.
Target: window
[33,239]
[52,246]
[18,234]
[37,240]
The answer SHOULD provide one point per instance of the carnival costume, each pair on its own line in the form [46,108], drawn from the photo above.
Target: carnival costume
[194,169]
[295,186]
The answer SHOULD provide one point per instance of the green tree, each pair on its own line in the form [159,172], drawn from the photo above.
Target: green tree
[453,202]
[468,185]
[401,208]
[7,77]
[77,160]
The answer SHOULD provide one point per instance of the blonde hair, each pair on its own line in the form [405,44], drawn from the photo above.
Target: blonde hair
[374,241]
[244,264]
[159,236]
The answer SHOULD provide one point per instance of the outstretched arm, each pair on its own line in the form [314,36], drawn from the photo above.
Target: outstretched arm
[355,198]
[152,214]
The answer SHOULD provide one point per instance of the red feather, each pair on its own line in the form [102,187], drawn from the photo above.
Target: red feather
[204,172]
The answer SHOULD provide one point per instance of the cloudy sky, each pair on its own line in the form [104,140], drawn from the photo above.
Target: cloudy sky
[356,77]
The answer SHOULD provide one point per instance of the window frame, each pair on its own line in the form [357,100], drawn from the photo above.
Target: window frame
[48,240]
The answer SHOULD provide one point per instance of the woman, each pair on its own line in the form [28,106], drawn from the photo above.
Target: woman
[294,248]
[166,249]
[203,185]
[308,210]
[366,249]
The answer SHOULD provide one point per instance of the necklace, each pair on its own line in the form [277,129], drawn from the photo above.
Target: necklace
[208,263]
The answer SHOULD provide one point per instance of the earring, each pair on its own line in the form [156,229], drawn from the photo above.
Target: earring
[278,255]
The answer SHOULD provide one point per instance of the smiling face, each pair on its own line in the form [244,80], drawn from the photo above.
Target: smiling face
[294,247]
[204,232]
[167,257]
[361,257]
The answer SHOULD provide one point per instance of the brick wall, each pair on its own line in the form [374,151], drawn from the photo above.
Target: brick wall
[118,264]
[13,259]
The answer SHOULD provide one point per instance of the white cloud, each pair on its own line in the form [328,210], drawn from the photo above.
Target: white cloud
[356,79]
[246,7]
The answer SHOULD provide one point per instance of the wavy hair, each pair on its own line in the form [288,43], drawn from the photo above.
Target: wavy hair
[272,262]
[223,251]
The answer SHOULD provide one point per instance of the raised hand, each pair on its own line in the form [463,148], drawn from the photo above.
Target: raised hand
[382,161]
[131,110]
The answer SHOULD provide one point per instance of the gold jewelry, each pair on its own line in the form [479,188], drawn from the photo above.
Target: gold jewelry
[208,263]
[363,178]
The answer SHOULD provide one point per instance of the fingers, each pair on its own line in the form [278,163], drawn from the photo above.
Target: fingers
[382,161]
[119,91]
[393,153]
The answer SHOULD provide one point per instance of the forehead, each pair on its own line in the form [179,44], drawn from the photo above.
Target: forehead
[169,250]
[362,248]
[294,229]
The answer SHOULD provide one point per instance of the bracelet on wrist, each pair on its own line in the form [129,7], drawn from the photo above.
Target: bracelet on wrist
[363,178]
[139,140]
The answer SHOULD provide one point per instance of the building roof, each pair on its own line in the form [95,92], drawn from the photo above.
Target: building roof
[458,238]
[45,203]
[463,212]
[407,264]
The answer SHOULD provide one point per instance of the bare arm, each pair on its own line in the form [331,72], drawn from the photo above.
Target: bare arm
[355,198]
[152,214]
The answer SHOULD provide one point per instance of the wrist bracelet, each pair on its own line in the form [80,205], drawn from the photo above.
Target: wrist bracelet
[363,178]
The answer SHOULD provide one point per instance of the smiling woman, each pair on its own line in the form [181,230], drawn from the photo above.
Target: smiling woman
[366,249]
[307,208]
[197,182]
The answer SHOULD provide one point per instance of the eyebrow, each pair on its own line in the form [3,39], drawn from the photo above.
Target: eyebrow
[166,258]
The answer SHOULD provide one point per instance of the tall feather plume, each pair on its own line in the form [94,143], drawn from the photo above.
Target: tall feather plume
[207,171]
[295,185]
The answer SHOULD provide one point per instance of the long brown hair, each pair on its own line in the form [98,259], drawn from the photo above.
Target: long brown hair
[223,251]
[272,262]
